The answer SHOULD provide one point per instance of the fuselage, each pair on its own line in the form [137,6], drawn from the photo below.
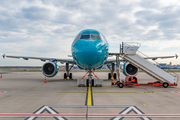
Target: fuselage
[90,49]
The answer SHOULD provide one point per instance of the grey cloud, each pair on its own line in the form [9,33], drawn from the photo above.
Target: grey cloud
[169,24]
[143,22]
[152,4]
[163,15]
[36,13]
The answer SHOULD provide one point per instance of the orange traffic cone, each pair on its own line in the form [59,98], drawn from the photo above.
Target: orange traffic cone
[45,80]
[1,75]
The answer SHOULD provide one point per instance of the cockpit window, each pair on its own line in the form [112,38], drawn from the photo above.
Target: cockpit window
[91,36]
[85,37]
[95,36]
[103,38]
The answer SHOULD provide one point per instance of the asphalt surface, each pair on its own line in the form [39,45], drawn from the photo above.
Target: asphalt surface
[26,93]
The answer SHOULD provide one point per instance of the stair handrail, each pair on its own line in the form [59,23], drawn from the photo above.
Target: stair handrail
[143,53]
[176,75]
[134,44]
[147,57]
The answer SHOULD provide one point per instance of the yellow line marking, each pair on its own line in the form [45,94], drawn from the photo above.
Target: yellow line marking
[144,104]
[148,92]
[89,96]
[71,92]
[94,92]
[114,92]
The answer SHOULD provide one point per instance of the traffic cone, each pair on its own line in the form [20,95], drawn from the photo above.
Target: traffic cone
[45,80]
[1,75]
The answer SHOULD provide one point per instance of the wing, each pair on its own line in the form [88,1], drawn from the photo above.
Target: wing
[153,58]
[162,57]
[71,61]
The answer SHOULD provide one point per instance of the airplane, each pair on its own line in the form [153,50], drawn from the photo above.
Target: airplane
[90,51]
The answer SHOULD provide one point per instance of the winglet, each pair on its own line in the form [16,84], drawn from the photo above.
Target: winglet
[176,56]
[3,55]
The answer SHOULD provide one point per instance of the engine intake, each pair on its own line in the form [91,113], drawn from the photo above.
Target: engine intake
[129,69]
[50,69]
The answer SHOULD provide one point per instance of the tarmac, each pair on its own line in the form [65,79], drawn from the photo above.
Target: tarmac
[24,94]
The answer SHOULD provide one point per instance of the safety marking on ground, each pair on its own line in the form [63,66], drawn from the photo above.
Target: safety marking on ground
[89,103]
[144,104]
[126,112]
[62,116]
[177,93]
[89,96]
[114,92]
[52,113]
[39,113]
[129,110]
[92,97]
[71,85]
[1,92]
[94,92]
[148,92]
[70,92]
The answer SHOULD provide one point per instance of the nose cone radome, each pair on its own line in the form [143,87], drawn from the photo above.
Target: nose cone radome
[90,59]
[89,54]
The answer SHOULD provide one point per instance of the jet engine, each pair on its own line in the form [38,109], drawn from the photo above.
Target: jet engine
[129,69]
[50,69]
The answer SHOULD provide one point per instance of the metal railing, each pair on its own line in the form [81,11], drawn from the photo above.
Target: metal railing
[131,44]
[128,44]
[173,74]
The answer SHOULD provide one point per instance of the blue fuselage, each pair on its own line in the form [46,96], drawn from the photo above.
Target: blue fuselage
[90,49]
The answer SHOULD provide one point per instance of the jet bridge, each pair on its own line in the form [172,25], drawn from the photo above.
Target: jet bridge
[129,53]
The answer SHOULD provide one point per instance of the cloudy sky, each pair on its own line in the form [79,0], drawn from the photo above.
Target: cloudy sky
[46,28]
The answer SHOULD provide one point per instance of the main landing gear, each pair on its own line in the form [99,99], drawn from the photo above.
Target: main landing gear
[115,78]
[112,72]
[67,74]
[114,75]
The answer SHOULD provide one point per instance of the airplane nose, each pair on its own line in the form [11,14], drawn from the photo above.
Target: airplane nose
[89,54]
[89,58]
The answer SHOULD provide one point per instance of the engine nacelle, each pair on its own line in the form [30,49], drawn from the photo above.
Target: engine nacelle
[129,69]
[50,69]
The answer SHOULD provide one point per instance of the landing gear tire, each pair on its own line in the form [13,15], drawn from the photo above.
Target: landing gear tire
[115,76]
[165,84]
[109,76]
[70,76]
[121,85]
[87,83]
[92,84]
[65,76]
